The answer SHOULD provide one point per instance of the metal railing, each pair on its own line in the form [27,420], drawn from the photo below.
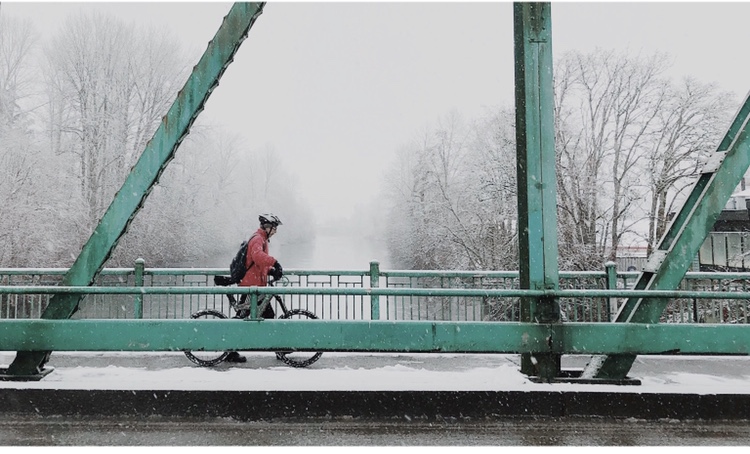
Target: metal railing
[410,304]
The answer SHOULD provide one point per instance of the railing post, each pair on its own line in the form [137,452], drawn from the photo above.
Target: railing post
[254,304]
[374,283]
[610,269]
[140,265]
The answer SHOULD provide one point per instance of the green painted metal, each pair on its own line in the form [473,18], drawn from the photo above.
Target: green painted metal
[610,268]
[154,159]
[369,336]
[138,271]
[307,272]
[537,181]
[684,236]
[253,298]
[539,335]
[577,307]
[374,283]
[518,293]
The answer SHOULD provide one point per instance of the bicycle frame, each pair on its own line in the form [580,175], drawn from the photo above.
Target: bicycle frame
[243,305]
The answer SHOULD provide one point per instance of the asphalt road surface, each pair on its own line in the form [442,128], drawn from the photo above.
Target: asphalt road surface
[47,431]
[42,428]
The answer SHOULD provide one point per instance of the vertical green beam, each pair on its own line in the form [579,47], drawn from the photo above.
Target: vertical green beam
[374,283]
[610,269]
[686,233]
[142,177]
[537,181]
[140,265]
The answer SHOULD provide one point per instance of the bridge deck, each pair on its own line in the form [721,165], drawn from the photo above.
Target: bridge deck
[171,371]
[374,386]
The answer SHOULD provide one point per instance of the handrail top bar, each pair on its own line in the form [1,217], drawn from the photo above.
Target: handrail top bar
[366,272]
[563,293]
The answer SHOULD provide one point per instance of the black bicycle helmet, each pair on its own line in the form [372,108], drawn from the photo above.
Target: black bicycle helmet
[269,219]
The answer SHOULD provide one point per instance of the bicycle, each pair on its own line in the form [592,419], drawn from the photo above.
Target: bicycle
[242,310]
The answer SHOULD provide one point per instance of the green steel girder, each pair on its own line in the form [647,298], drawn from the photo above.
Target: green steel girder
[537,181]
[368,336]
[539,335]
[152,162]
[684,236]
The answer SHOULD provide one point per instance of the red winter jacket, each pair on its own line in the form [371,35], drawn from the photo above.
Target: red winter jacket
[257,255]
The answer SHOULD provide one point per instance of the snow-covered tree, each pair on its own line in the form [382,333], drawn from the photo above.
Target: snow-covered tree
[108,85]
[621,124]
[628,140]
[103,86]
[691,124]
[24,190]
[453,196]
[606,107]
[208,201]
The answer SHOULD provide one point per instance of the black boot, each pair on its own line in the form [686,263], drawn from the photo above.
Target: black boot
[234,357]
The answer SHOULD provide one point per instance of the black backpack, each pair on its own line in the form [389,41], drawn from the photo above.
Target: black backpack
[237,268]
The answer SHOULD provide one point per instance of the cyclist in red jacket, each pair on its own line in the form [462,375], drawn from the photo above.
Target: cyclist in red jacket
[260,264]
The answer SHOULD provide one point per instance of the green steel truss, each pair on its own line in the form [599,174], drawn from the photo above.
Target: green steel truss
[535,161]
[373,336]
[142,177]
[537,202]
[688,230]
[541,338]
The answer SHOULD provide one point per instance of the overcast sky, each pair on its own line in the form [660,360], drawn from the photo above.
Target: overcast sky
[337,88]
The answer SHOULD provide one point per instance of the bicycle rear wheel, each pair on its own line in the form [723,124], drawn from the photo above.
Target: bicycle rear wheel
[298,359]
[207,358]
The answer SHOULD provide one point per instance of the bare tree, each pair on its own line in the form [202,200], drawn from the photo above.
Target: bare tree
[208,200]
[453,196]
[494,195]
[689,127]
[625,136]
[606,105]
[108,86]
[19,162]
[17,39]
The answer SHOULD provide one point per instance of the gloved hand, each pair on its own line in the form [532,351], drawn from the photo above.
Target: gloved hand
[276,271]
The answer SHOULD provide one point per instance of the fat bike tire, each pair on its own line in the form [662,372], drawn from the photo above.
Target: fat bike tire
[298,359]
[204,358]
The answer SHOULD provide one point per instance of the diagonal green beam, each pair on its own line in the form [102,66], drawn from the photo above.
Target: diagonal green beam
[686,233]
[152,162]
[374,336]
[537,180]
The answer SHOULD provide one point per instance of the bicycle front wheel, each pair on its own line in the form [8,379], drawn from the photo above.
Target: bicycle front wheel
[207,358]
[298,359]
